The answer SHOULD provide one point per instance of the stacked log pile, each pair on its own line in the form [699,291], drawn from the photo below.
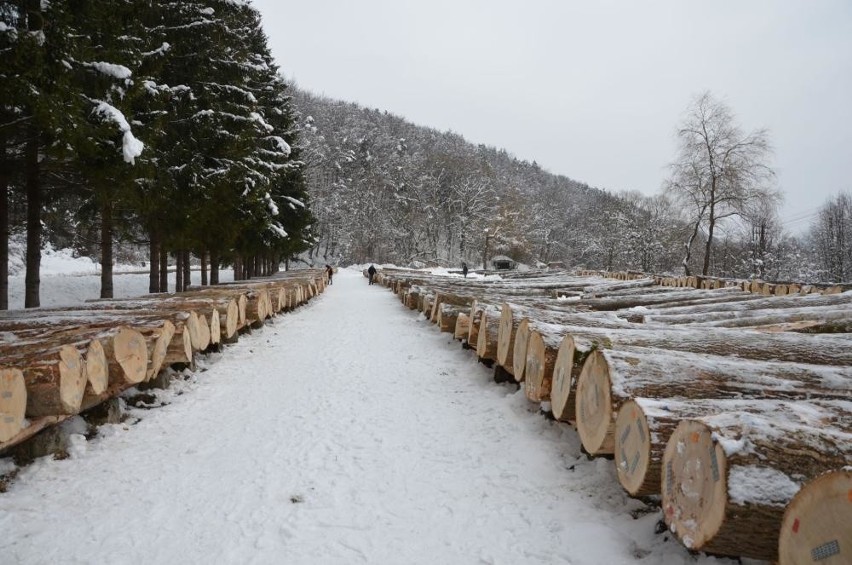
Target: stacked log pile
[730,400]
[58,362]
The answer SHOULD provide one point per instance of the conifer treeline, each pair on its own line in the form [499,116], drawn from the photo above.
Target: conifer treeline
[162,121]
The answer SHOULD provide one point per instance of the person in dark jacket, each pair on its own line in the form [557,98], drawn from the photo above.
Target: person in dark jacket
[372,272]
[330,272]
[464,269]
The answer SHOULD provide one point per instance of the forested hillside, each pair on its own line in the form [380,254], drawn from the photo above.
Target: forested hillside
[383,189]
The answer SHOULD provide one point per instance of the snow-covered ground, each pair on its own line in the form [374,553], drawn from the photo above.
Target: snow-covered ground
[349,431]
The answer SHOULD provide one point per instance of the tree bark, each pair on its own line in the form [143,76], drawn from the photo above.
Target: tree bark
[164,268]
[106,248]
[187,270]
[214,268]
[32,281]
[153,262]
[178,270]
[5,179]
[203,258]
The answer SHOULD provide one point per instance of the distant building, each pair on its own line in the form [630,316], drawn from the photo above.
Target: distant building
[502,263]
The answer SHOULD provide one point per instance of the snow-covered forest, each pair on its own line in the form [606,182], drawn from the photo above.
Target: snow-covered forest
[383,188]
[164,124]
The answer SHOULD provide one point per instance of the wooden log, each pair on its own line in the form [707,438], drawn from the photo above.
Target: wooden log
[815,349]
[519,352]
[506,337]
[566,370]
[13,403]
[127,357]
[816,525]
[462,326]
[610,377]
[447,316]
[179,350]
[96,367]
[486,339]
[706,312]
[631,301]
[55,382]
[542,350]
[727,478]
[447,298]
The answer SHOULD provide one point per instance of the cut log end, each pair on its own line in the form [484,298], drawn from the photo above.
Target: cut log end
[536,386]
[519,355]
[13,403]
[462,326]
[633,449]
[505,337]
[562,390]
[131,353]
[816,523]
[97,367]
[694,484]
[160,349]
[595,422]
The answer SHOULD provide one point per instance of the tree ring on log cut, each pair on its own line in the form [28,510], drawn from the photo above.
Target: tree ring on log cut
[131,353]
[13,403]
[505,338]
[594,406]
[694,484]
[232,319]
[632,447]
[519,355]
[534,369]
[816,526]
[97,367]
[215,327]
[561,389]
[161,348]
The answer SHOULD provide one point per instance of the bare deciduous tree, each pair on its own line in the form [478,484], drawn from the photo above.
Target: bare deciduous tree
[719,170]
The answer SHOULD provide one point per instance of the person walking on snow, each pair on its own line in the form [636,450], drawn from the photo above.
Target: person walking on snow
[372,272]
[464,269]
[330,272]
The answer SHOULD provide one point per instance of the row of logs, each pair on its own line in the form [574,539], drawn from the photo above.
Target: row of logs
[713,399]
[57,362]
[751,285]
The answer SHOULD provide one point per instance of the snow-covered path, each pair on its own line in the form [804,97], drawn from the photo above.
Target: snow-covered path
[350,431]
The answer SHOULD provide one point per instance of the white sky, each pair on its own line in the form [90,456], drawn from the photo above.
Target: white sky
[591,89]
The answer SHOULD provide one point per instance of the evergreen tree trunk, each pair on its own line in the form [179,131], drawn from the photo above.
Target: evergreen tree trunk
[187,274]
[238,267]
[178,271]
[203,257]
[164,269]
[154,262]
[106,249]
[31,280]
[214,268]
[5,174]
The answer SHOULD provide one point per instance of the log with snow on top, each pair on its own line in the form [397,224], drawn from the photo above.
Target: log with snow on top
[727,478]
[817,349]
[512,314]
[657,298]
[746,303]
[609,378]
[54,376]
[566,369]
[816,525]
[542,350]
[486,337]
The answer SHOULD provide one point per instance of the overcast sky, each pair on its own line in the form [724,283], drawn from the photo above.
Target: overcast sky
[591,89]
